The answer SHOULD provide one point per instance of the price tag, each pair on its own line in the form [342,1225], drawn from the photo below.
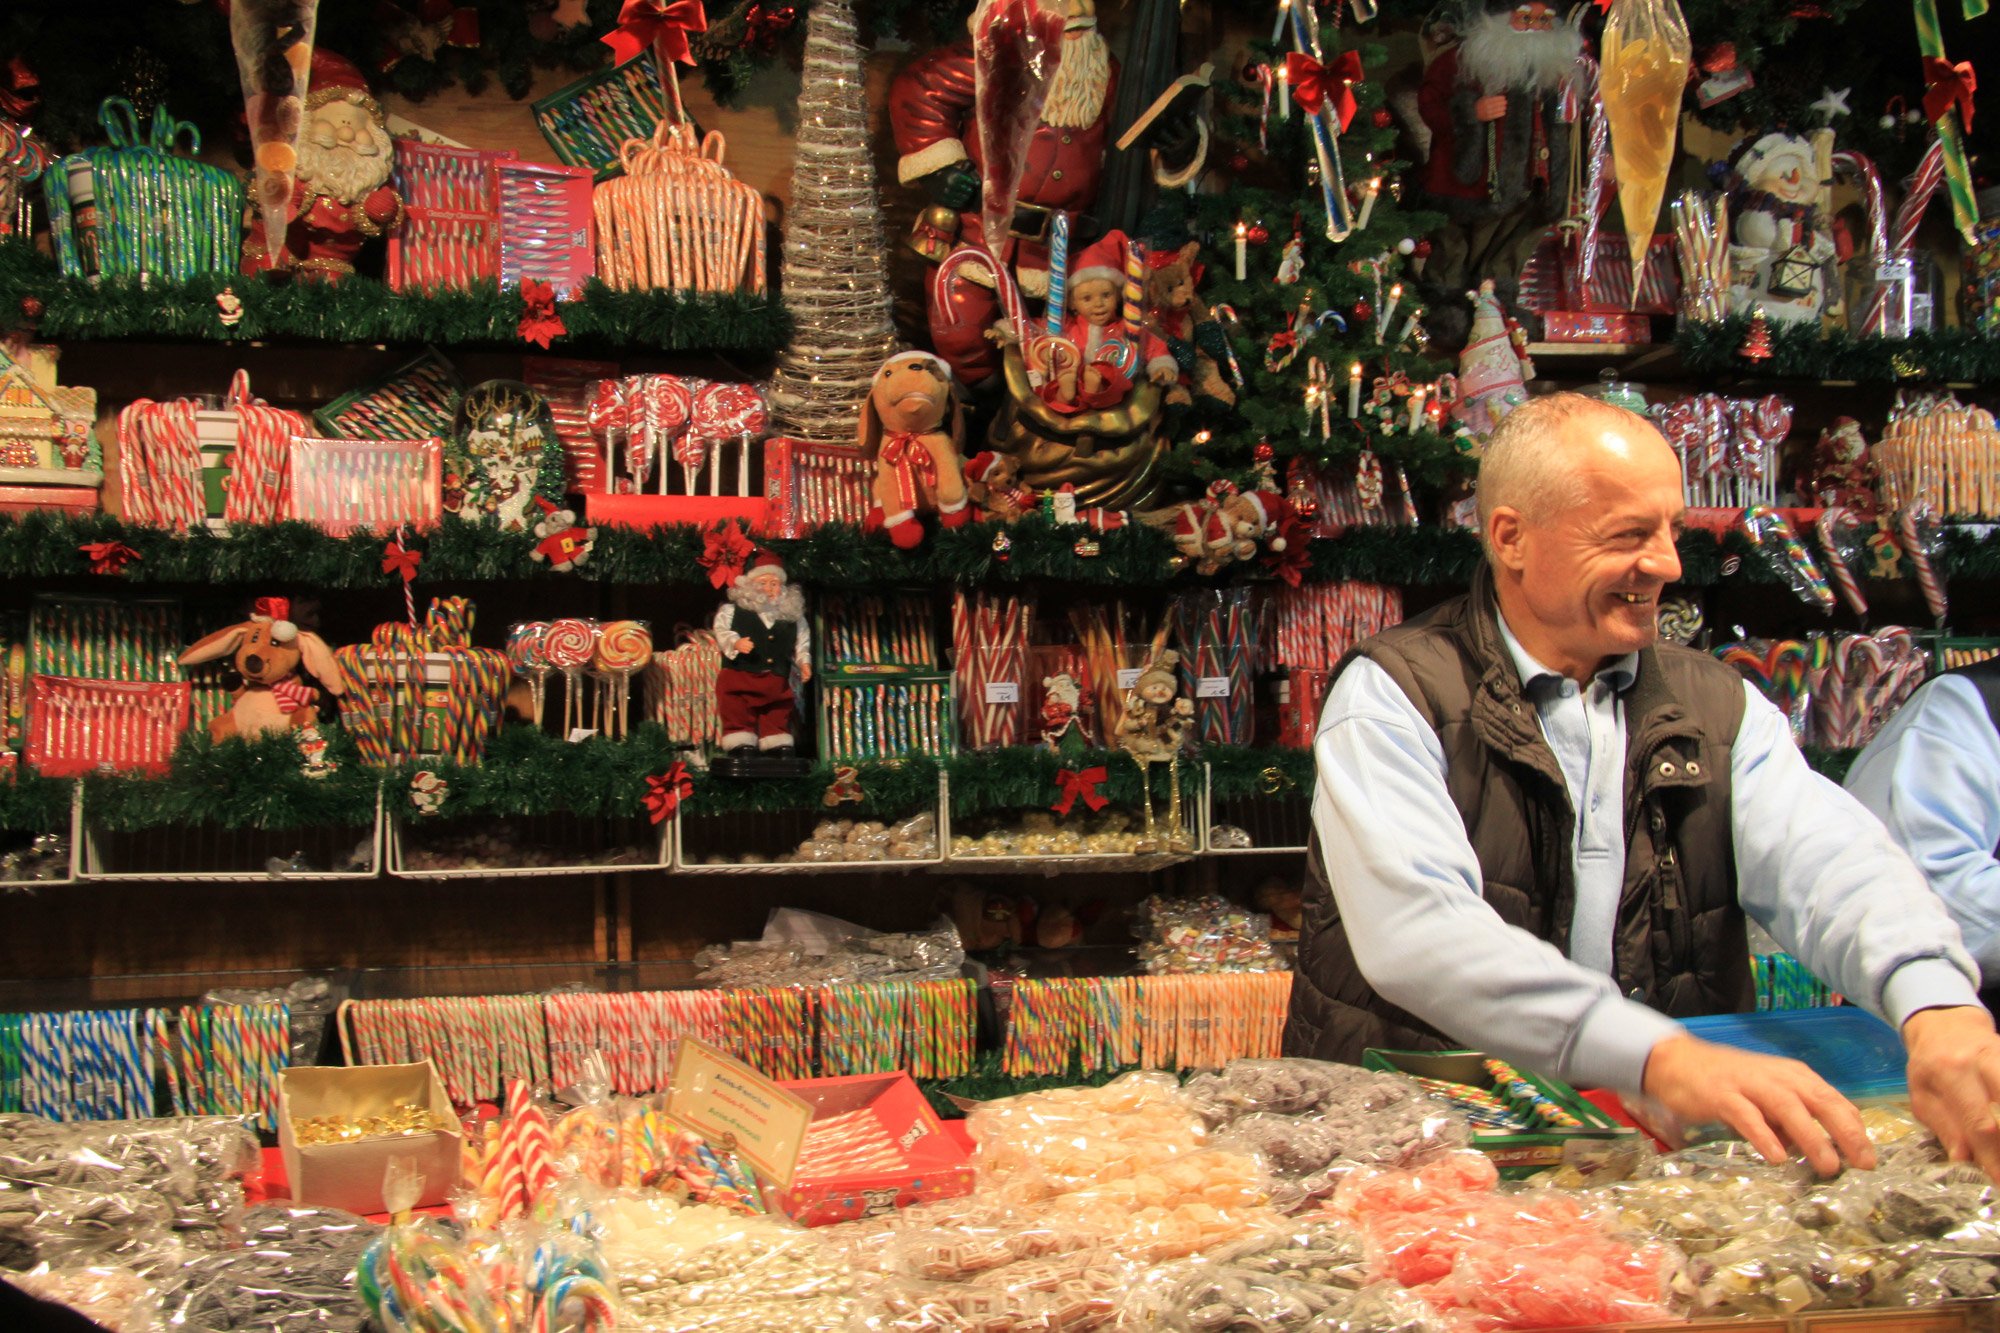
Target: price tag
[1003,691]
[581,734]
[1212,687]
[1128,677]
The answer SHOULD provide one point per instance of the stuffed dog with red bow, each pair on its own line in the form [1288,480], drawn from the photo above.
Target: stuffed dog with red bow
[918,464]
[269,649]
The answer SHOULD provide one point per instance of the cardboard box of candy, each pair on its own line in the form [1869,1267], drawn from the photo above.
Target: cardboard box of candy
[317,1101]
[874,1145]
[1524,1122]
[1580,326]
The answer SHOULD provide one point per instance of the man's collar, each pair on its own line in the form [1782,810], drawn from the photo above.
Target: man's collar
[1619,675]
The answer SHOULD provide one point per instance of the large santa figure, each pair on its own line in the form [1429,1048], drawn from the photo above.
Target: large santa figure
[341,199]
[933,111]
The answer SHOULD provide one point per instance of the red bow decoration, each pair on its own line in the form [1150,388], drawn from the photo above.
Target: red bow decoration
[1073,784]
[1947,85]
[108,557]
[724,553]
[400,559]
[1314,83]
[1295,559]
[912,465]
[767,25]
[665,23]
[665,794]
[1718,59]
[540,321]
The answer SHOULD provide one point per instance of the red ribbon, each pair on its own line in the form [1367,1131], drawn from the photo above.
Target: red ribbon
[108,557]
[724,553]
[1947,85]
[904,451]
[540,320]
[400,559]
[1073,784]
[768,24]
[1314,83]
[1291,563]
[665,794]
[642,23]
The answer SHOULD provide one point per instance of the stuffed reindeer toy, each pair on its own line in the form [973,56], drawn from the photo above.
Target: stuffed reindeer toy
[268,650]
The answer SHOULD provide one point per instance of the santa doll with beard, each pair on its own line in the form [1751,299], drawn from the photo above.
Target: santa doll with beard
[935,115]
[764,636]
[1491,102]
[341,199]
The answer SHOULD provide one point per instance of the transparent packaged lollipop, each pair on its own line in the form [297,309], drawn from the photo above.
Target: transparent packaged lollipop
[294,1272]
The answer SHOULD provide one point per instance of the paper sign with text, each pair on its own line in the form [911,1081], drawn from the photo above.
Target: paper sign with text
[714,1095]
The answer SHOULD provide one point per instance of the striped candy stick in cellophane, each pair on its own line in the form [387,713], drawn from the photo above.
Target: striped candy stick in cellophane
[1774,537]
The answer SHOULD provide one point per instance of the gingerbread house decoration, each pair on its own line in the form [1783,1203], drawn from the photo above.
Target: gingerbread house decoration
[47,433]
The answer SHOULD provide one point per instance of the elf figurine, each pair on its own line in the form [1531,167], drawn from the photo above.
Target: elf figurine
[1107,353]
[764,635]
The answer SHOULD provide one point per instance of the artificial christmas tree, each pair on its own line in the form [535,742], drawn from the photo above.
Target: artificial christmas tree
[1757,340]
[835,270]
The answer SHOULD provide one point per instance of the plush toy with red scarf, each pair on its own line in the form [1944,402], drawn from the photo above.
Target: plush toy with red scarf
[269,649]
[917,459]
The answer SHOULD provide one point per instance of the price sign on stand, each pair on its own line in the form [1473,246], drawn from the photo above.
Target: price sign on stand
[715,1095]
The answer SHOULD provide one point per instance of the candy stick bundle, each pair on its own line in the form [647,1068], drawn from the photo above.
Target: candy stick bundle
[1863,680]
[224,1059]
[450,233]
[1116,644]
[885,719]
[423,690]
[588,122]
[680,689]
[859,635]
[415,401]
[1062,1025]
[990,664]
[1216,632]
[80,726]
[1939,453]
[676,219]
[378,485]
[546,230]
[475,1042]
[1318,622]
[924,1027]
[809,485]
[100,639]
[77,1066]
[1701,230]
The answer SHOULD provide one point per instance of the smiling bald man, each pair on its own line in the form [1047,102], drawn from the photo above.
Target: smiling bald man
[1539,833]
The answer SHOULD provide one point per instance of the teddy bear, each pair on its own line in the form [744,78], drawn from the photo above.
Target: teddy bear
[993,482]
[1183,322]
[903,433]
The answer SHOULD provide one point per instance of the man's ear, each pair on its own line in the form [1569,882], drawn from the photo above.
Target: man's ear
[1505,532]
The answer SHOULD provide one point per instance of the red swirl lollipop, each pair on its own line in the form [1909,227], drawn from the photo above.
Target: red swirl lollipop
[730,412]
[568,646]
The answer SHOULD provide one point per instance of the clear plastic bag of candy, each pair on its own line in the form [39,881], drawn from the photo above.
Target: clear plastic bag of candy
[1280,1281]
[1038,1145]
[117,1299]
[1206,933]
[293,1273]
[677,1264]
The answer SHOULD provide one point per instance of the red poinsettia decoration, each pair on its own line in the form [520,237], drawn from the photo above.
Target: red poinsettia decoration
[642,23]
[665,793]
[108,557]
[1290,555]
[724,553]
[540,320]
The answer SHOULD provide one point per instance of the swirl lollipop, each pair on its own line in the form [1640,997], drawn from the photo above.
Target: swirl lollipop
[569,646]
[623,647]
[526,643]
[728,412]
[669,407]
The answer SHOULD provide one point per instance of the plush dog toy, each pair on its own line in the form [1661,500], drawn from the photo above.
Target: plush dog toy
[917,460]
[269,649]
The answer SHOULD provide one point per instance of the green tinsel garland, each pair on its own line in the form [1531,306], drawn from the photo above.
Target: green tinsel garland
[364,310]
[1802,352]
[31,803]
[1024,777]
[1237,771]
[239,784]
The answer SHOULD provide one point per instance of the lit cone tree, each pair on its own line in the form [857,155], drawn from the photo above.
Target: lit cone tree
[836,280]
[1297,341]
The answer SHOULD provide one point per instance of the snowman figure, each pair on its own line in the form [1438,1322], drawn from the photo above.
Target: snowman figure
[1781,253]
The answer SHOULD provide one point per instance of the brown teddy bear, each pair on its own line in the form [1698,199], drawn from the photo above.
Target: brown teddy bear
[1180,317]
[916,457]
[993,482]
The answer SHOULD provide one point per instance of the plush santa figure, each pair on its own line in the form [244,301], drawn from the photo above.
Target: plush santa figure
[341,199]
[763,634]
[935,116]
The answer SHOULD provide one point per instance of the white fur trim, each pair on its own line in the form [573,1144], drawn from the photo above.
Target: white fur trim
[1098,273]
[1173,180]
[953,509]
[773,742]
[733,739]
[283,631]
[917,165]
[1163,361]
[1032,281]
[891,520]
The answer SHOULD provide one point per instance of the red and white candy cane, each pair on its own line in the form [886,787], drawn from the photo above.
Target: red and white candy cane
[1831,528]
[945,283]
[1902,236]
[260,467]
[1915,525]
[729,412]
[1596,160]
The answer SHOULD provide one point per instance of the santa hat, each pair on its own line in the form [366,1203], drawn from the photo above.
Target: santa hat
[277,611]
[933,362]
[765,560]
[1101,262]
[1272,510]
[332,75]
[980,464]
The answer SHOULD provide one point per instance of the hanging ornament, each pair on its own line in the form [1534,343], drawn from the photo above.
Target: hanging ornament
[1757,340]
[1418,254]
[1003,547]
[1381,118]
[428,792]
[229,307]
[1363,310]
[31,308]
[1086,547]
[1292,262]
[846,786]
[1239,162]
[312,753]
[1257,233]
[1263,452]
[1407,246]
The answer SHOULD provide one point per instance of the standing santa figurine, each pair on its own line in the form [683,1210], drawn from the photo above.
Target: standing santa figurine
[937,120]
[763,634]
[341,199]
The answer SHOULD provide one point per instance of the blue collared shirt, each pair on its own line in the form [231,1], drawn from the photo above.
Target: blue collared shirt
[1812,866]
[1932,775]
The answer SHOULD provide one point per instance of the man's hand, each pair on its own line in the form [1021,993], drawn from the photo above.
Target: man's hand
[1955,1081]
[1767,1100]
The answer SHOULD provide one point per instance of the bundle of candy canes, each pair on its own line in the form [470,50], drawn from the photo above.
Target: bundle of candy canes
[421,1276]
[1863,680]
[1937,452]
[680,690]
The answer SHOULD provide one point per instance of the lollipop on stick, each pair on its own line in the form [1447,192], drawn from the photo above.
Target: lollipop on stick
[568,646]
[526,652]
[623,648]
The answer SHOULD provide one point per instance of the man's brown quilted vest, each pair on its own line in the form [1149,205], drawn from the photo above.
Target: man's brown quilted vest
[1679,945]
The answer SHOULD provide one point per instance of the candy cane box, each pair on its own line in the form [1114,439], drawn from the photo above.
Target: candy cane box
[874,1145]
[349,1175]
